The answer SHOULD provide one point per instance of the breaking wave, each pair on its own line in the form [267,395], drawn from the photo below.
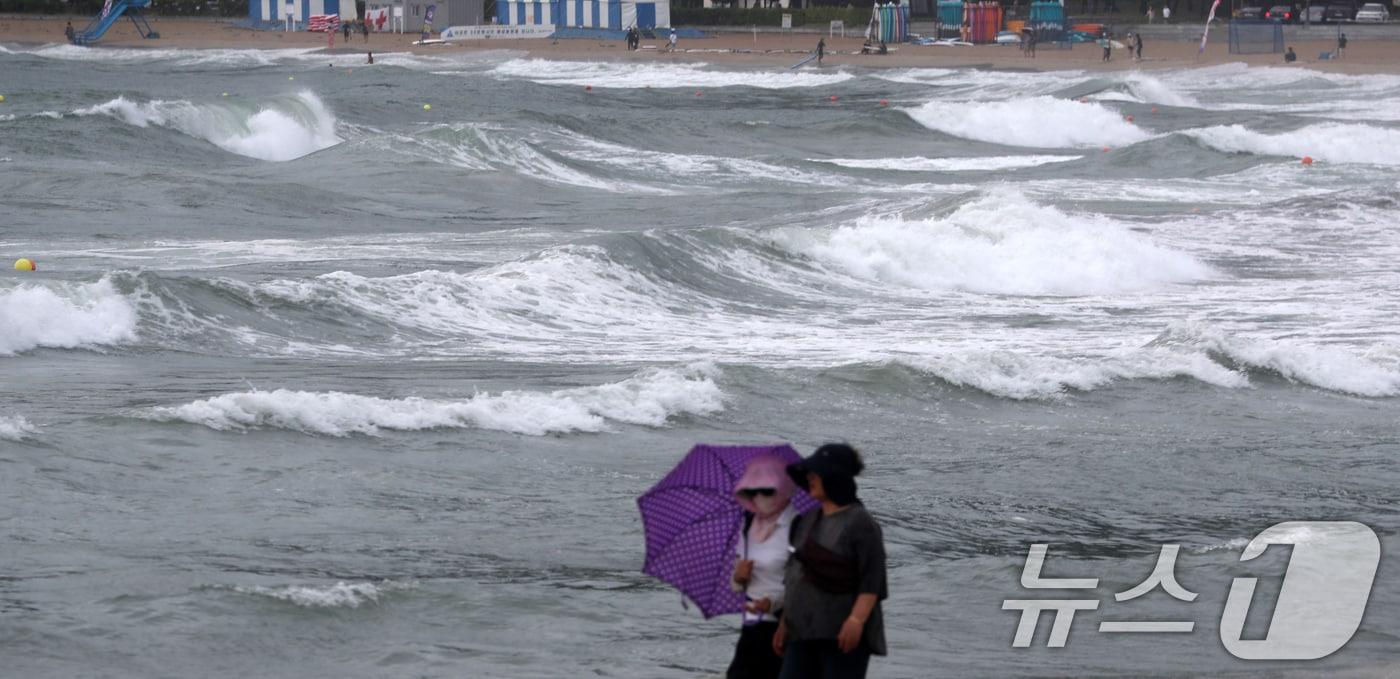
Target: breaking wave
[1328,142]
[1000,243]
[1037,122]
[233,58]
[340,595]
[650,398]
[64,316]
[16,428]
[285,128]
[1185,350]
[635,76]
[972,164]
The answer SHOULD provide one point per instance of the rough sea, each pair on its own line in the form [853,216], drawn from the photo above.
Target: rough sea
[314,382]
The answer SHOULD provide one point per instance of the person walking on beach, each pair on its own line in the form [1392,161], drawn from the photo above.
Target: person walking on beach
[765,492]
[1151,14]
[345,31]
[1106,45]
[68,31]
[364,30]
[821,50]
[1137,46]
[1341,44]
[671,42]
[1166,13]
[831,622]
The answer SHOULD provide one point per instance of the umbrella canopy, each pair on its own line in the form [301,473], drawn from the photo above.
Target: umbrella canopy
[692,523]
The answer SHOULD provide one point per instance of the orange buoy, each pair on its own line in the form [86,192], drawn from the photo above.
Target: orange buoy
[1154,109]
[1307,160]
[1105,149]
[698,93]
[587,88]
[1128,118]
[833,97]
[884,102]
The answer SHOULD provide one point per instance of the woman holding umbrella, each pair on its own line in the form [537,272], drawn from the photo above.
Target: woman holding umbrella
[831,622]
[765,492]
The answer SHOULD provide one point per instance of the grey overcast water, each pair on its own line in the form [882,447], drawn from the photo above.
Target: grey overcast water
[313,382]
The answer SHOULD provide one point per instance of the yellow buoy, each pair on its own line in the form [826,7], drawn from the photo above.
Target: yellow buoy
[225,94]
[427,107]
[25,264]
[2,98]
[291,77]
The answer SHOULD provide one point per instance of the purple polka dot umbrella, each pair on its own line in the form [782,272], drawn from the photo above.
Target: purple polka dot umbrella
[692,523]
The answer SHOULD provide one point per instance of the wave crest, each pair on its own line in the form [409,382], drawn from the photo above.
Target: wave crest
[285,128]
[1037,122]
[16,428]
[1328,142]
[340,595]
[64,316]
[649,399]
[1001,243]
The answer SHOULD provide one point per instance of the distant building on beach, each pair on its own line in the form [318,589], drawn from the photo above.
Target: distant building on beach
[300,10]
[448,13]
[612,15]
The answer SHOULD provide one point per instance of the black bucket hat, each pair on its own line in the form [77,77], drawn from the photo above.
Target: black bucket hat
[837,464]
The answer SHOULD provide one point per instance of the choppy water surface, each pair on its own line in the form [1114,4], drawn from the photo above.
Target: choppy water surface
[312,381]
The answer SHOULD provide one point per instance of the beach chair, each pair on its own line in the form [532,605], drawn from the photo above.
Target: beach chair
[1325,56]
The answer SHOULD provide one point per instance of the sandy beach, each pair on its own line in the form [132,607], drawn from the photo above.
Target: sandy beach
[765,49]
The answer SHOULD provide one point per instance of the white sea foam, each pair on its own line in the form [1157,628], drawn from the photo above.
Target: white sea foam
[632,75]
[650,398]
[688,168]
[1327,142]
[62,315]
[578,290]
[494,147]
[285,128]
[1335,368]
[1186,350]
[1150,90]
[970,164]
[1000,243]
[340,595]
[1038,122]
[16,428]
[235,58]
[1023,376]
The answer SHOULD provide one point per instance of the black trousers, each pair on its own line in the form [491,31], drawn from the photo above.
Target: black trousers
[823,659]
[753,655]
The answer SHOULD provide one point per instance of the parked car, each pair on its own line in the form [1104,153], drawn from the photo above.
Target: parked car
[1250,12]
[1316,14]
[1373,12]
[1340,11]
[1285,13]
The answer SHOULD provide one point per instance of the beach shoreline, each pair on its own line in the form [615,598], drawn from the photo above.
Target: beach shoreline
[760,49]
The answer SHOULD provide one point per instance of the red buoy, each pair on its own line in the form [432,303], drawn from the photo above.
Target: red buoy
[1307,160]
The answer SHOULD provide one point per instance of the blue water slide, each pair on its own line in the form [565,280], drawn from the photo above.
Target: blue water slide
[119,8]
